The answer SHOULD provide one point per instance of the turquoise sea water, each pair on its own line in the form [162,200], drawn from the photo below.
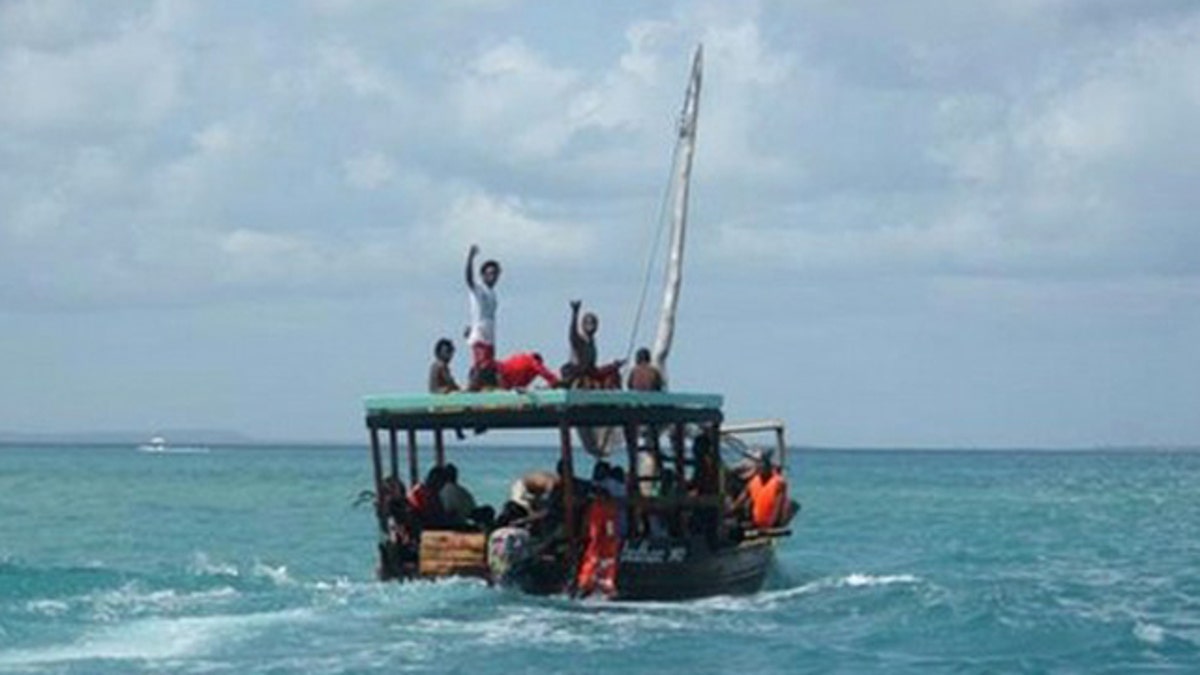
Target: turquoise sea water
[252,560]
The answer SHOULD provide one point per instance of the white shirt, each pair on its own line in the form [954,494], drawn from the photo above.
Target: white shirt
[483,314]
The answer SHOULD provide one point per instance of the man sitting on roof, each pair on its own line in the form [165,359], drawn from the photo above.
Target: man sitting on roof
[645,376]
[441,380]
[520,370]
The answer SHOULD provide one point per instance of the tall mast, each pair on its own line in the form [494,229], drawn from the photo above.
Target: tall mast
[683,172]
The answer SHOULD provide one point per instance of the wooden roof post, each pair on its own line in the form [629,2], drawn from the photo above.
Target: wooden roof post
[714,437]
[439,445]
[677,443]
[414,472]
[568,489]
[677,448]
[376,462]
[631,480]
[393,446]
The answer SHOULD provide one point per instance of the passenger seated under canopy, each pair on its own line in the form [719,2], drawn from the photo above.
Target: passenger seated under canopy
[424,499]
[459,506]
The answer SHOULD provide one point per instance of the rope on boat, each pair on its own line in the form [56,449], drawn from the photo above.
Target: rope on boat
[650,257]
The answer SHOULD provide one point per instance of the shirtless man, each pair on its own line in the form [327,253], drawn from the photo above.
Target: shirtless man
[441,380]
[644,376]
[582,372]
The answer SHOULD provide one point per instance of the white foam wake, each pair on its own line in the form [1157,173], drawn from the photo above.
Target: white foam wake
[855,580]
[153,639]
[203,565]
[132,600]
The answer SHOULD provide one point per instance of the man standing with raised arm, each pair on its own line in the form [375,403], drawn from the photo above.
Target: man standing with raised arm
[481,334]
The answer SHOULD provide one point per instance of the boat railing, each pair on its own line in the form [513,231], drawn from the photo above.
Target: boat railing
[734,432]
[672,503]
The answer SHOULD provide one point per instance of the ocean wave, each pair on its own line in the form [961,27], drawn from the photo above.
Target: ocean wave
[153,639]
[770,600]
[857,580]
[22,582]
[552,624]
[203,565]
[447,609]
[50,608]
[278,575]
[134,600]
[1149,633]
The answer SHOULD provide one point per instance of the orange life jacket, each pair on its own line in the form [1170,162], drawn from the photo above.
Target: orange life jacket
[598,567]
[765,498]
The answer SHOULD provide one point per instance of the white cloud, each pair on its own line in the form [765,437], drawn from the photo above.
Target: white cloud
[131,77]
[344,65]
[369,170]
[906,148]
[54,24]
[506,226]
[1076,173]
[512,97]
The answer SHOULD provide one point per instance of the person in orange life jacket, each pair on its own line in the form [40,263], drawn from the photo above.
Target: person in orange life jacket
[766,493]
[520,370]
[481,334]
[598,566]
[582,372]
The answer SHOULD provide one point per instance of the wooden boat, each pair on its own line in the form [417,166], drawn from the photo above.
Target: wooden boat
[678,543]
[692,558]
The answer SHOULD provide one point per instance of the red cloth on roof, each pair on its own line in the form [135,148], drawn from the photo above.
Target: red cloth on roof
[519,370]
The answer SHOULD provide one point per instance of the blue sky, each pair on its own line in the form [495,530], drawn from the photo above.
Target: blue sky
[923,223]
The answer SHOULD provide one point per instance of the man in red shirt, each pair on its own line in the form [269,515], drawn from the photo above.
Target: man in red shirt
[520,370]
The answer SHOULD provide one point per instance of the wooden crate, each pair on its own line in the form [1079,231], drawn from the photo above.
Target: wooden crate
[445,553]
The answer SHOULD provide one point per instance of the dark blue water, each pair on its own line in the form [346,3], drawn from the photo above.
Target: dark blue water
[249,560]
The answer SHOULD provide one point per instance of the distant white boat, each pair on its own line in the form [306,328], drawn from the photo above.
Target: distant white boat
[158,445]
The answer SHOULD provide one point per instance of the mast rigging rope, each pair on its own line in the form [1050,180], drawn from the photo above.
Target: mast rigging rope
[653,253]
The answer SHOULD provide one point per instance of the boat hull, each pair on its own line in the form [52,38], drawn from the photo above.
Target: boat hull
[668,570]
[682,571]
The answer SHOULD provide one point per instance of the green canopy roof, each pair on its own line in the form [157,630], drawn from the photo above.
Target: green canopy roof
[539,408]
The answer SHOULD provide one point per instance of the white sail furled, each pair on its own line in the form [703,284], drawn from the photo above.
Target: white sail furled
[679,208]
